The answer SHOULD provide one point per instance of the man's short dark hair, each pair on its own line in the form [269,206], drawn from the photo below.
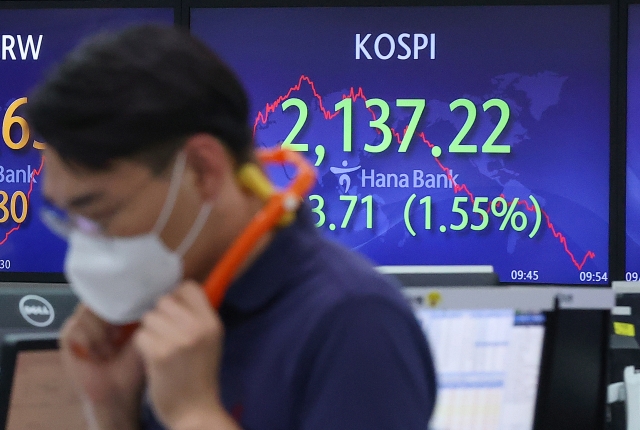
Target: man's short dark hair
[138,93]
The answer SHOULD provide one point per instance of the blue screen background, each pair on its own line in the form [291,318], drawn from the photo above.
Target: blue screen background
[549,63]
[633,144]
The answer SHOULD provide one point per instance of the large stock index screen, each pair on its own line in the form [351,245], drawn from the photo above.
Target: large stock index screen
[633,146]
[32,41]
[442,135]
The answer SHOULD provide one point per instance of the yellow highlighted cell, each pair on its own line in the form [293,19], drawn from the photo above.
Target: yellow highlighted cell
[624,329]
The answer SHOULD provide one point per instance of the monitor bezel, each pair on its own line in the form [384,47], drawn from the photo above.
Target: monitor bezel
[95,4]
[187,5]
[616,232]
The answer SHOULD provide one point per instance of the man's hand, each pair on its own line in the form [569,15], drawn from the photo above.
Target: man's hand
[181,345]
[109,378]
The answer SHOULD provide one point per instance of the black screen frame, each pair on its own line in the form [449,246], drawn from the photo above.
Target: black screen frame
[94,4]
[617,144]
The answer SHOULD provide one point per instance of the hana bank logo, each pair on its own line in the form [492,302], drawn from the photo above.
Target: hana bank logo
[344,179]
[36,310]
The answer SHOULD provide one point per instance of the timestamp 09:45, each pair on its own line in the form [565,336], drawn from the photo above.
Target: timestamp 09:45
[525,275]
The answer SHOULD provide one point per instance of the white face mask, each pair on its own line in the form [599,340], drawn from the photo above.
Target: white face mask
[121,278]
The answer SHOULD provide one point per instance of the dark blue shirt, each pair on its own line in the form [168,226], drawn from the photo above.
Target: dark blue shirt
[317,340]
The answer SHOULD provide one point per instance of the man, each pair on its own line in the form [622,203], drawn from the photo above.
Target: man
[145,132]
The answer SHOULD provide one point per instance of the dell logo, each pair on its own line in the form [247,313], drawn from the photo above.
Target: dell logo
[36,310]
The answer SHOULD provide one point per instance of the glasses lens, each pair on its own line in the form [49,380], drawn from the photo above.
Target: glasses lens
[62,224]
[56,220]
[85,225]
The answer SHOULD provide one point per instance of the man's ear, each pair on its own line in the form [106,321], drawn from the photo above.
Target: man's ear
[210,162]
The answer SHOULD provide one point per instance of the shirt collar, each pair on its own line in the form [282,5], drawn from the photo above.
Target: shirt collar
[274,271]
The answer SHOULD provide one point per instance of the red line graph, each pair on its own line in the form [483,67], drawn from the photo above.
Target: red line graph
[263,117]
[34,173]
[271,107]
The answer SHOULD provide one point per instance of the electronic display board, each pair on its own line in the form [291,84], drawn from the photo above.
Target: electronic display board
[441,134]
[31,42]
[633,146]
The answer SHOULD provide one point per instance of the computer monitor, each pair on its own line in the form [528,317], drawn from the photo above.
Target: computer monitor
[488,365]
[28,308]
[34,36]
[443,135]
[517,358]
[35,391]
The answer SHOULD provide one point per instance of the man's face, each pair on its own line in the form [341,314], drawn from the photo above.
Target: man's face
[127,198]
[124,200]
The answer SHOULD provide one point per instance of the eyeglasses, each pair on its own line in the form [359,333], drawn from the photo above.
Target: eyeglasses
[63,224]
